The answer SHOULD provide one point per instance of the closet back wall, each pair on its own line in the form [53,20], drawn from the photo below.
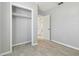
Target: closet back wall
[21,29]
[33,6]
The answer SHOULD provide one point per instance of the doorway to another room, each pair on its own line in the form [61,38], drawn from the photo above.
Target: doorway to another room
[44,27]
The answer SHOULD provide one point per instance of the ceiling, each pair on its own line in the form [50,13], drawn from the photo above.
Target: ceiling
[44,7]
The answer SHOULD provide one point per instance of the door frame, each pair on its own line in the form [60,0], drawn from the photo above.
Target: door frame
[18,5]
[49,29]
[50,26]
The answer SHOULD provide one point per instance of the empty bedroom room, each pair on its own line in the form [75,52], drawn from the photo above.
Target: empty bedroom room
[39,28]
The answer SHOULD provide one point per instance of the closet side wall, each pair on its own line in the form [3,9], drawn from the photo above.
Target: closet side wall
[21,26]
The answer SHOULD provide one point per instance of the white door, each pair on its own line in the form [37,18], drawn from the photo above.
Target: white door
[44,27]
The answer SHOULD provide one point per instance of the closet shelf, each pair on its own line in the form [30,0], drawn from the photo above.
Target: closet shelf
[20,15]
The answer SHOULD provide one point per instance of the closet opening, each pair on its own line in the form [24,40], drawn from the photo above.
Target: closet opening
[21,25]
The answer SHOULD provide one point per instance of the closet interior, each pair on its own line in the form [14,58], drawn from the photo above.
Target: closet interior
[21,25]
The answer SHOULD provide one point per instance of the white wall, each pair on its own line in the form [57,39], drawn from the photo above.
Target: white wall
[0,28]
[5,31]
[65,24]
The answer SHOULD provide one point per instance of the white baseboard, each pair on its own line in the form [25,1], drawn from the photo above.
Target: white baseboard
[5,53]
[21,43]
[13,46]
[33,44]
[66,45]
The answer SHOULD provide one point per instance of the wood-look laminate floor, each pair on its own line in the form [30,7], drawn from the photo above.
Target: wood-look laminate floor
[44,48]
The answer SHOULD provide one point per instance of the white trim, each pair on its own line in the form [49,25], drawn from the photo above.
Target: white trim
[13,46]
[66,45]
[21,43]
[34,44]
[21,15]
[32,28]
[21,6]
[10,27]
[5,53]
